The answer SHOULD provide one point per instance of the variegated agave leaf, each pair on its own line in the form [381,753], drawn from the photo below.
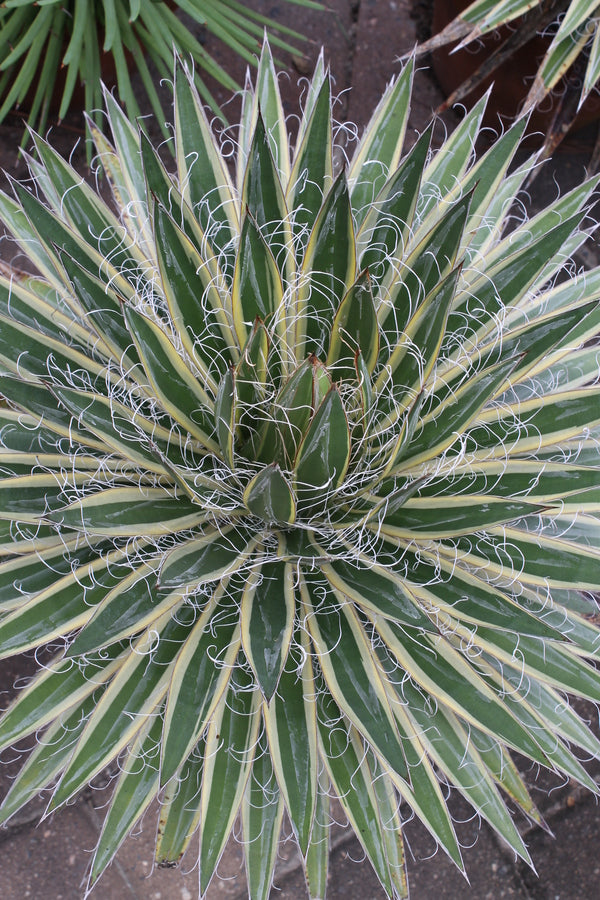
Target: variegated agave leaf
[300,470]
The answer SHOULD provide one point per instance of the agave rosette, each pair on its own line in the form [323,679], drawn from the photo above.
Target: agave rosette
[300,481]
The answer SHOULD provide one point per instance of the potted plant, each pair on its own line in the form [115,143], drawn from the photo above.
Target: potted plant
[543,59]
[299,481]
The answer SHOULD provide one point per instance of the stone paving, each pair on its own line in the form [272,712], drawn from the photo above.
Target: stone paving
[48,861]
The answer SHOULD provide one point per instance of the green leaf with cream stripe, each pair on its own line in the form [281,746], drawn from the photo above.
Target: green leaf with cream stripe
[27,353]
[190,286]
[257,289]
[133,605]
[263,197]
[313,163]
[128,512]
[317,855]
[135,693]
[268,101]
[425,796]
[115,425]
[267,617]
[53,237]
[353,678]
[355,326]
[269,496]
[518,551]
[175,384]
[554,749]
[415,355]
[198,678]
[352,780]
[61,686]
[386,225]
[43,410]
[440,587]
[138,781]
[180,809]
[389,815]
[328,269]
[206,559]
[67,604]
[444,169]
[82,209]
[380,149]
[103,310]
[535,423]
[443,671]
[20,299]
[433,438]
[291,726]
[234,729]
[376,589]
[324,454]
[430,517]
[46,760]
[37,567]
[27,498]
[423,269]
[202,171]
[462,766]
[262,814]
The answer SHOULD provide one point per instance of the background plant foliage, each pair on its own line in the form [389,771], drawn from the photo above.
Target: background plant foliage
[573,28]
[299,481]
[40,38]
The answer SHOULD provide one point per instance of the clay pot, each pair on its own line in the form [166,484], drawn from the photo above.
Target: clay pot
[511,80]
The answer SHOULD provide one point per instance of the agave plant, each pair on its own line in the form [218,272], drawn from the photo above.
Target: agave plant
[575,29]
[299,482]
[38,39]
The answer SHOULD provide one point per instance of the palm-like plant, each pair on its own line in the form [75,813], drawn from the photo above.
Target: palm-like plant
[576,38]
[38,39]
[300,482]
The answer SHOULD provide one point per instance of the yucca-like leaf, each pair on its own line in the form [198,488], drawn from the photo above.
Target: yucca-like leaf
[50,47]
[574,26]
[304,476]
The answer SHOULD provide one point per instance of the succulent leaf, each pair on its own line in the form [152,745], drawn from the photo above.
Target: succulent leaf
[262,815]
[257,289]
[137,785]
[355,328]
[291,725]
[312,173]
[234,730]
[380,148]
[328,269]
[269,496]
[324,454]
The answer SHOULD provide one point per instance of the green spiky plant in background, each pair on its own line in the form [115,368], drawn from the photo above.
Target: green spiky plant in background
[38,38]
[575,29]
[299,482]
